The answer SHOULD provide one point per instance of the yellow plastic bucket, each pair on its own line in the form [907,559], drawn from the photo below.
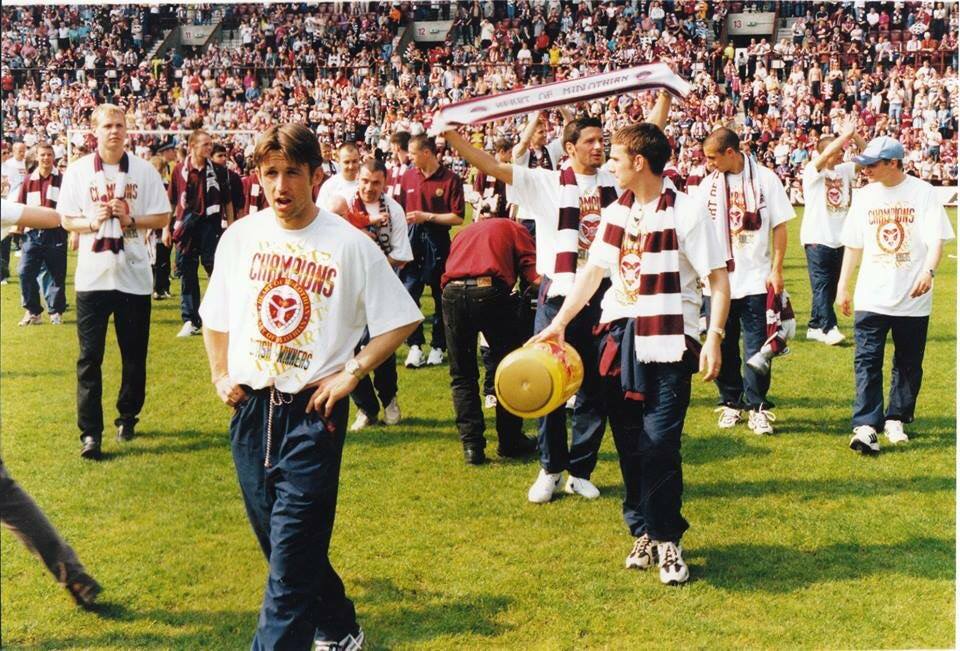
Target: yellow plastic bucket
[534,380]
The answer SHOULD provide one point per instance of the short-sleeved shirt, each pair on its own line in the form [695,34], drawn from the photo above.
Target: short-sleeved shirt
[827,196]
[399,241]
[336,186]
[538,191]
[895,227]
[190,194]
[752,249]
[296,302]
[128,271]
[700,253]
[441,192]
[10,213]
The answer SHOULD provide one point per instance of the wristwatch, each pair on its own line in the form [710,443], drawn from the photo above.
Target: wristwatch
[718,331]
[353,368]
[930,271]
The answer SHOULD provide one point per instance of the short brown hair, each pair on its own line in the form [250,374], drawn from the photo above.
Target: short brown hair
[294,141]
[194,135]
[349,146]
[401,138]
[374,165]
[571,132]
[105,109]
[823,142]
[724,139]
[647,140]
[423,141]
[502,144]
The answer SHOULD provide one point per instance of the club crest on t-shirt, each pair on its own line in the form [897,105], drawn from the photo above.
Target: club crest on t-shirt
[836,197]
[736,212]
[283,307]
[892,236]
[630,254]
[589,221]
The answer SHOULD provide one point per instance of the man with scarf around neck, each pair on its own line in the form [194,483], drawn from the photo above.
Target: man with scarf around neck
[43,248]
[200,190]
[381,218]
[750,210]
[113,200]
[567,206]
[399,147]
[655,242]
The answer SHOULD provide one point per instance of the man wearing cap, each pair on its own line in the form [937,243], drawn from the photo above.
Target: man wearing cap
[895,232]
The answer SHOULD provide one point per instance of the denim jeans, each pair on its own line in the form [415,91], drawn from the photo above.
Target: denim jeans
[202,251]
[131,321]
[44,249]
[647,436]
[415,285]
[579,457]
[823,267]
[291,506]
[740,386]
[909,342]
[468,311]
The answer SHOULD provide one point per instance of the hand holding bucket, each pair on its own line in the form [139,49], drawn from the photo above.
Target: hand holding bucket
[536,379]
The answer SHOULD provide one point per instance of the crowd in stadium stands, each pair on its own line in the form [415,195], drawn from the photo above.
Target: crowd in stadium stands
[337,68]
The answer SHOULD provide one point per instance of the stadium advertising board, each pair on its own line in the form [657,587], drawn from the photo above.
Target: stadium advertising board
[195,34]
[433,31]
[750,24]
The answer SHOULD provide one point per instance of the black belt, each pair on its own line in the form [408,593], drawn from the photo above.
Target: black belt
[479,281]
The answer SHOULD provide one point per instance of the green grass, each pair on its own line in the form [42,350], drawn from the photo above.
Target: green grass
[795,540]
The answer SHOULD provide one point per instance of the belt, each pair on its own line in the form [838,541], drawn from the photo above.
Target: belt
[479,281]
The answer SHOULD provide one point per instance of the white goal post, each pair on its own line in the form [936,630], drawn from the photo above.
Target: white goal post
[242,136]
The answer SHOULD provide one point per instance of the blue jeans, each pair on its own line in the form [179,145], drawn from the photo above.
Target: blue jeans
[749,389]
[415,285]
[579,458]
[44,249]
[647,436]
[291,507]
[823,267]
[909,342]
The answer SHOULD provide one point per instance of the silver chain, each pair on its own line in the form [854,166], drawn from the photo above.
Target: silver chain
[277,398]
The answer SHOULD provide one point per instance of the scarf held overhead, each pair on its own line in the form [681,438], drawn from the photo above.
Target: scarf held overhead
[658,309]
[537,98]
[109,237]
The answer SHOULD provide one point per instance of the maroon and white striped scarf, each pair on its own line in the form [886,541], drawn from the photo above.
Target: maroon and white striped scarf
[542,159]
[718,205]
[210,189]
[109,237]
[629,238]
[781,321]
[394,174]
[380,231]
[570,239]
[40,191]
[490,187]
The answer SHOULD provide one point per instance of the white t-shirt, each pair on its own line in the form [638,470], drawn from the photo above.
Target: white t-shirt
[128,271]
[10,213]
[16,172]
[751,249]
[537,191]
[295,302]
[700,253]
[894,227]
[337,185]
[827,196]
[555,150]
[399,240]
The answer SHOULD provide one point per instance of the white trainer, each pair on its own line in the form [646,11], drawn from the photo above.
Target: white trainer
[582,487]
[362,421]
[893,429]
[490,402]
[414,358]
[56,319]
[435,358]
[188,330]
[30,319]
[391,413]
[352,642]
[833,336]
[760,421]
[571,402]
[673,571]
[814,334]
[643,554]
[864,440]
[729,417]
[544,487]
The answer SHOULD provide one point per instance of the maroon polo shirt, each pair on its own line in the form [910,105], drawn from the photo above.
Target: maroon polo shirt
[441,192]
[193,189]
[496,247]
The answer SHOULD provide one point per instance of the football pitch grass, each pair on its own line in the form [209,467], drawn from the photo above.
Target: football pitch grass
[795,540]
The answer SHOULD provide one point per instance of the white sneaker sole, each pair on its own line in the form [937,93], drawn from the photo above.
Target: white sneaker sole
[863,448]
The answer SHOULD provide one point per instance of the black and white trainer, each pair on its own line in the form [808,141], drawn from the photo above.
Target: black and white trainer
[865,440]
[350,642]
[643,554]
[673,571]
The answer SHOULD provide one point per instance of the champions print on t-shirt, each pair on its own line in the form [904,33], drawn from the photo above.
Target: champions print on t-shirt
[892,225]
[290,304]
[737,210]
[589,222]
[630,253]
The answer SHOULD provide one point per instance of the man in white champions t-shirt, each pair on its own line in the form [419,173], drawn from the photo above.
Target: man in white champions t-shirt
[827,188]
[345,182]
[292,290]
[895,232]
[113,200]
[749,205]
[383,220]
[655,243]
